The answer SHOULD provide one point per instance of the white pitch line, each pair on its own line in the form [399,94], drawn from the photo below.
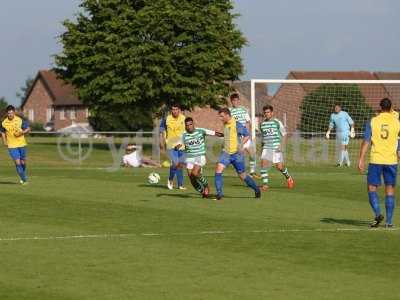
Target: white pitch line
[127,235]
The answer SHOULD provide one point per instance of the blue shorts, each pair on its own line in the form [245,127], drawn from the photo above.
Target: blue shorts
[176,156]
[236,159]
[17,153]
[343,138]
[375,172]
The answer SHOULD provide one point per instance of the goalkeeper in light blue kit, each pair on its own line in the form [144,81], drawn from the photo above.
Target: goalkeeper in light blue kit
[344,126]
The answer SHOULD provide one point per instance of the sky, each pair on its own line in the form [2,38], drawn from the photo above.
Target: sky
[283,35]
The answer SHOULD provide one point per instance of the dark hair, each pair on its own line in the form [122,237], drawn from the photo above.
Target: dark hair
[385,104]
[10,107]
[235,96]
[188,119]
[338,104]
[268,107]
[175,105]
[224,110]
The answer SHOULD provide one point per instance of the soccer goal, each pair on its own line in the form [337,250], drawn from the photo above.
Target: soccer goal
[305,108]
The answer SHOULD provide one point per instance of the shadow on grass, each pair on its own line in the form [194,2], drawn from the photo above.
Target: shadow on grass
[345,221]
[155,186]
[8,182]
[186,196]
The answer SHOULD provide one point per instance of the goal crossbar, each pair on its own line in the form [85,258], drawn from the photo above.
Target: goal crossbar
[303,81]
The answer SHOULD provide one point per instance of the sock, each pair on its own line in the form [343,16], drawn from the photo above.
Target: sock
[172,172]
[285,173]
[264,176]
[179,176]
[374,202]
[252,163]
[389,204]
[203,180]
[346,157]
[21,172]
[196,184]
[341,157]
[251,183]
[219,183]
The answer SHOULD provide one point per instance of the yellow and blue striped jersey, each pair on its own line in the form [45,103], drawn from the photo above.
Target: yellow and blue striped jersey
[174,128]
[10,127]
[233,132]
[383,133]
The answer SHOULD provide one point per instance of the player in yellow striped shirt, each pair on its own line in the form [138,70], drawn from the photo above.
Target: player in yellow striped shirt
[13,130]
[382,132]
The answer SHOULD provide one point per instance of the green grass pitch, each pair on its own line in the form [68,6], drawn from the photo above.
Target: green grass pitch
[86,233]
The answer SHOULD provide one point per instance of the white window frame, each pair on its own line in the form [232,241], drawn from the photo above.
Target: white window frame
[62,114]
[31,115]
[49,114]
[72,114]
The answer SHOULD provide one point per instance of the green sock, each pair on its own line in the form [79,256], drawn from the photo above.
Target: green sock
[202,180]
[196,184]
[285,173]
[264,176]
[252,163]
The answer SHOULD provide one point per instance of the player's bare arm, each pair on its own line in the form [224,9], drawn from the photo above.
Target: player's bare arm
[4,138]
[363,152]
[22,132]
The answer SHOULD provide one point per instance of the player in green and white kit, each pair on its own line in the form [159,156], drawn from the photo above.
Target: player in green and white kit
[241,115]
[195,150]
[273,132]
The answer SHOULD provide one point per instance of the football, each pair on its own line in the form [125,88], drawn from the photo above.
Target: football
[153,178]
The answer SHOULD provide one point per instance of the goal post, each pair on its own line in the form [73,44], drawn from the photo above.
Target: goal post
[305,107]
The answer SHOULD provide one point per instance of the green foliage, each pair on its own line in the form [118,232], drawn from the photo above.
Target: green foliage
[318,105]
[23,90]
[3,105]
[132,55]
[36,126]
[121,119]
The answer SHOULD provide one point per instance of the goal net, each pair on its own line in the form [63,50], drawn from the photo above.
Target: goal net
[305,108]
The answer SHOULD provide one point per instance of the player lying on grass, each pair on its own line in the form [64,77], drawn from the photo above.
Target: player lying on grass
[194,142]
[232,153]
[382,133]
[273,135]
[133,158]
[241,115]
[13,130]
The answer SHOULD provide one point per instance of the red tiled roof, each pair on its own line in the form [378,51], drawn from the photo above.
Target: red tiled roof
[372,95]
[392,90]
[62,94]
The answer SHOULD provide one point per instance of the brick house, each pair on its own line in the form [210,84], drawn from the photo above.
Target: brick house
[53,103]
[392,90]
[289,97]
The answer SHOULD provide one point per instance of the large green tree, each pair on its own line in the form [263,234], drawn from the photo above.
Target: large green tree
[318,105]
[23,90]
[132,56]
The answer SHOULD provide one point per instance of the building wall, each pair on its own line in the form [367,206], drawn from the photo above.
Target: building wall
[286,103]
[206,118]
[39,101]
[68,119]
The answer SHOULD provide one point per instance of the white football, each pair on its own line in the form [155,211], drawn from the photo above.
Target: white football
[153,178]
